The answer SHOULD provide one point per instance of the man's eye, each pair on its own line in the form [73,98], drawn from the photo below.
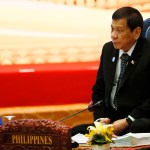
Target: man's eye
[112,29]
[119,31]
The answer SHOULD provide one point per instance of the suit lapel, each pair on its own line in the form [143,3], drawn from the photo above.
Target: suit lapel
[114,59]
[133,61]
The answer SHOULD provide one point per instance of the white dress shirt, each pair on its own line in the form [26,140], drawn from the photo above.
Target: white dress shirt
[118,69]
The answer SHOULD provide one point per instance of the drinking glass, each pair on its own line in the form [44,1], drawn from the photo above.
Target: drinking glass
[9,117]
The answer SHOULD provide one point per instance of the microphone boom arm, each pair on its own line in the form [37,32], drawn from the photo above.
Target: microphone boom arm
[89,107]
[72,115]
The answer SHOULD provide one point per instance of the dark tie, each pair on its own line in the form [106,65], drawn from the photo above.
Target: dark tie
[124,61]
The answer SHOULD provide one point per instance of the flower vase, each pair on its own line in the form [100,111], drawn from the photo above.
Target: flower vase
[101,147]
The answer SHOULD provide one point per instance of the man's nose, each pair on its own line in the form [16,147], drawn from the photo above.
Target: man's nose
[114,34]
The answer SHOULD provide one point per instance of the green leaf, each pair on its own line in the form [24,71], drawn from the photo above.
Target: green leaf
[98,138]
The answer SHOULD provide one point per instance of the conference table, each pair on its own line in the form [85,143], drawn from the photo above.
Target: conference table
[147,147]
[50,91]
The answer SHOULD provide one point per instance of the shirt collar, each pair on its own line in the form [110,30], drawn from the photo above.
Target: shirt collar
[129,52]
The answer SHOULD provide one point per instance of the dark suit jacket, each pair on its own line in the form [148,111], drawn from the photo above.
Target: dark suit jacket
[134,93]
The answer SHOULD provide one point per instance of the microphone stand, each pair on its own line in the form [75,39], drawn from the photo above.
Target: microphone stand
[72,115]
[88,108]
[75,144]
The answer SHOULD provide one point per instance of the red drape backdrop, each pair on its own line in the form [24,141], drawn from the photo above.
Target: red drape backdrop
[46,84]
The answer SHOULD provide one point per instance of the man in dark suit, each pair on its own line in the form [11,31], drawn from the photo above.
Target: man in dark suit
[125,98]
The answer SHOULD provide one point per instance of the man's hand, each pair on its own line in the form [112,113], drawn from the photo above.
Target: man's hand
[119,126]
[104,120]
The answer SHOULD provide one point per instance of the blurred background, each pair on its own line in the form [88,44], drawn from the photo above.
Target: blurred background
[47,31]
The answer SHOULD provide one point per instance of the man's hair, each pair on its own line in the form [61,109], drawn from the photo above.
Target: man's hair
[132,15]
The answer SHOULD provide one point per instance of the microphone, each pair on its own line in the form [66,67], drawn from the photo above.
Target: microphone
[90,108]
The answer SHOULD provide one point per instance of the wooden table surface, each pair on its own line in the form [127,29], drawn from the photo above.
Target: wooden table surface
[146,147]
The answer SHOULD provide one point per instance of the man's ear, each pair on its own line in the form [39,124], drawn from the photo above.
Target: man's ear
[137,32]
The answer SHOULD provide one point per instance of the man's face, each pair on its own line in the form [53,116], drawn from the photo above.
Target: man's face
[121,35]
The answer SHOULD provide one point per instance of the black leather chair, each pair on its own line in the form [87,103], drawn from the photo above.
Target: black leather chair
[147,34]
[146,29]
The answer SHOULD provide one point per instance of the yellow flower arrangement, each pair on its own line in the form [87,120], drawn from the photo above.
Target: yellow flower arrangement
[100,134]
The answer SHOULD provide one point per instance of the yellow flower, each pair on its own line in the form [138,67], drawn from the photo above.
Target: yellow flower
[99,134]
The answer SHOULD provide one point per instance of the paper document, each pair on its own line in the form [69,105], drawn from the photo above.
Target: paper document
[131,140]
[127,140]
[80,138]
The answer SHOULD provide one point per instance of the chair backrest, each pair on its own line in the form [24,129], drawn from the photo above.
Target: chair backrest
[147,34]
[146,29]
